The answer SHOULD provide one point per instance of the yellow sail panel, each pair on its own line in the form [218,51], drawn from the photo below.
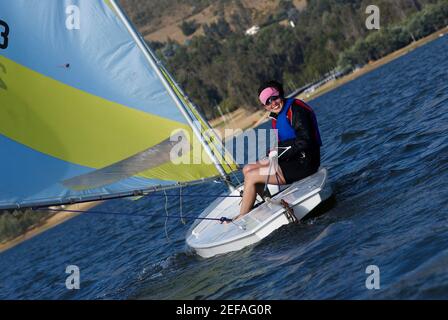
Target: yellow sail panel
[78,127]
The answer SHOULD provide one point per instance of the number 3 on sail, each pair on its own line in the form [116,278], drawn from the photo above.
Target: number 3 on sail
[4,35]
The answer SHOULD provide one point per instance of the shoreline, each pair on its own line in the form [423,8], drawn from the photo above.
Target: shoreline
[333,84]
[55,219]
[239,119]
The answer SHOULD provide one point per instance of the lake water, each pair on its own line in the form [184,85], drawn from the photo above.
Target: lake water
[385,141]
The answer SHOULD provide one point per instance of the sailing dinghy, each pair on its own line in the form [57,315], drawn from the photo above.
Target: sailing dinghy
[293,203]
[88,113]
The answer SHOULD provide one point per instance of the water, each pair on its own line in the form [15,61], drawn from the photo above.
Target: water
[386,148]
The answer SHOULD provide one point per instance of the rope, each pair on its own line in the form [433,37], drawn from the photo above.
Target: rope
[276,177]
[267,177]
[222,219]
[180,206]
[271,161]
[167,215]
[234,174]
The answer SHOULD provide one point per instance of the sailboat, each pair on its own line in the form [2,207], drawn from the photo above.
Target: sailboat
[88,113]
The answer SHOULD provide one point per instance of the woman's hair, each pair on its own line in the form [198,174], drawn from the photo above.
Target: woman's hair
[272,83]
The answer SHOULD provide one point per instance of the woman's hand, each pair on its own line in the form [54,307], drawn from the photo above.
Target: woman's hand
[273,154]
[238,217]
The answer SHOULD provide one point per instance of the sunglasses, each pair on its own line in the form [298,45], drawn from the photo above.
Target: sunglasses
[270,100]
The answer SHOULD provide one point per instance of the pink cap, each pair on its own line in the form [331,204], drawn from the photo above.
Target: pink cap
[267,93]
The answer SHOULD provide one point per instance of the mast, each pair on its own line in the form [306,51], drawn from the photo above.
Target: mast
[150,57]
[195,113]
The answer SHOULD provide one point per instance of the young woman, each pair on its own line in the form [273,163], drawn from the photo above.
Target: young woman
[298,139]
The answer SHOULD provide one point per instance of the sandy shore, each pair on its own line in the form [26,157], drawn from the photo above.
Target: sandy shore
[239,119]
[54,220]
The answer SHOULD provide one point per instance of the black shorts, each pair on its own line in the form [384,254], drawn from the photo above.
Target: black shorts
[300,167]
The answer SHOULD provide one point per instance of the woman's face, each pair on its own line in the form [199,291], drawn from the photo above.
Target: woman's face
[274,104]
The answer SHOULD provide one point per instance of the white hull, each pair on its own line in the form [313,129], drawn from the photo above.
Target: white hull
[209,238]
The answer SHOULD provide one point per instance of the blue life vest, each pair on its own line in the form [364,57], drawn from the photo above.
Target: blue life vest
[283,124]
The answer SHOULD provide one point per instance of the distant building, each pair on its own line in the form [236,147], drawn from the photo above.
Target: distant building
[252,30]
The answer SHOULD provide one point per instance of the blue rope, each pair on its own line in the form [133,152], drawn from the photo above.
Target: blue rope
[222,219]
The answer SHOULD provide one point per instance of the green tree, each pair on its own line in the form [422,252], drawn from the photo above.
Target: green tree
[189,27]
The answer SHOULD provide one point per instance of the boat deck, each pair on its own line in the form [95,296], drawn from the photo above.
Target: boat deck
[213,233]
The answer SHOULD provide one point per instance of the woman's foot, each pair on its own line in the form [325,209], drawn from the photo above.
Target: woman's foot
[238,217]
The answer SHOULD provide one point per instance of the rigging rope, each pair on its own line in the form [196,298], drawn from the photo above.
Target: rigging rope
[180,206]
[222,219]
[167,215]
[271,162]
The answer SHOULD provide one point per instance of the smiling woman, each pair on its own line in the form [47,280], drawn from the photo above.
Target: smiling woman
[298,142]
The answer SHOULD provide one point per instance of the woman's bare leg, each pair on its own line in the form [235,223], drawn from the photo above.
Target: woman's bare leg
[254,176]
[256,166]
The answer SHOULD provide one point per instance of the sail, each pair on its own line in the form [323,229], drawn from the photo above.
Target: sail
[210,136]
[83,115]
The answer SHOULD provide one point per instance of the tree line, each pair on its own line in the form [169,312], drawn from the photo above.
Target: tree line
[13,224]
[391,38]
[225,67]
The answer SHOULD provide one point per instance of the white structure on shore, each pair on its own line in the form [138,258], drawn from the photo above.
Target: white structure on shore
[252,30]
